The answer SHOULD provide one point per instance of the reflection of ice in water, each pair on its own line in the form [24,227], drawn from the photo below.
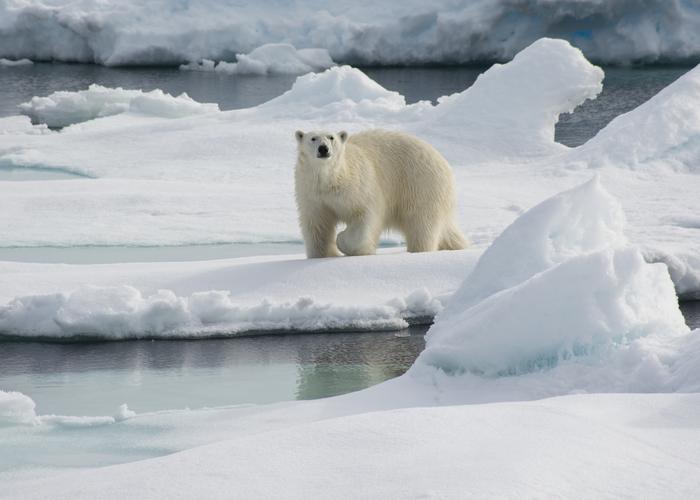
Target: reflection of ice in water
[71,378]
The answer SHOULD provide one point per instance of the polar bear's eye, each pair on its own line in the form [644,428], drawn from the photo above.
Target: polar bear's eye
[313,139]
[330,137]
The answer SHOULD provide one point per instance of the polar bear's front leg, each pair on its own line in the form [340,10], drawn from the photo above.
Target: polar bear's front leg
[360,237]
[318,230]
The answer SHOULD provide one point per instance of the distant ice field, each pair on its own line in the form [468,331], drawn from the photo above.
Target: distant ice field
[624,87]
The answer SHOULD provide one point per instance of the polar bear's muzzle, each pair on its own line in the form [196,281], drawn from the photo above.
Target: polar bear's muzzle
[323,151]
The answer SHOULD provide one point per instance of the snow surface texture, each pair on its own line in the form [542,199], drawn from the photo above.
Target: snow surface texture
[272,58]
[632,445]
[61,109]
[557,283]
[365,32]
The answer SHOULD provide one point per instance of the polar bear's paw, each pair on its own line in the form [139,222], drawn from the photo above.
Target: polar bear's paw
[350,244]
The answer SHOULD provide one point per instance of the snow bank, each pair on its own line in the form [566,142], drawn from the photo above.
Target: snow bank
[342,93]
[628,445]
[61,109]
[577,308]
[9,63]
[366,32]
[16,408]
[272,58]
[225,297]
[664,131]
[552,78]
[124,312]
[557,283]
[582,220]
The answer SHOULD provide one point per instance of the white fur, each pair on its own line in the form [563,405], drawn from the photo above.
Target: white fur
[373,181]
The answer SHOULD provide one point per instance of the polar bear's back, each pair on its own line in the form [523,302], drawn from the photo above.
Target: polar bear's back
[411,172]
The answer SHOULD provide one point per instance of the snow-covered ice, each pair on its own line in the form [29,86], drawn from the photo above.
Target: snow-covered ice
[61,109]
[269,59]
[233,296]
[560,282]
[10,63]
[168,171]
[363,32]
[422,433]
[570,290]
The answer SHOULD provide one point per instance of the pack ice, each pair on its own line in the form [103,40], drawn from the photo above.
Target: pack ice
[364,32]
[153,169]
[271,58]
[620,332]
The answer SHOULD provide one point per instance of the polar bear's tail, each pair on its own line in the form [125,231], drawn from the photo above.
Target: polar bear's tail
[452,238]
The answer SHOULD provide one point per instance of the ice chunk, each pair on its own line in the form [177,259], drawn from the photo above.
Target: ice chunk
[518,119]
[559,282]
[334,86]
[579,307]
[124,413]
[664,131]
[12,63]
[582,220]
[65,108]
[272,58]
[16,408]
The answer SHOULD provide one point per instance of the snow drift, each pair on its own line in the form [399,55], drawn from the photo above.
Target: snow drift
[61,109]
[552,78]
[579,221]
[225,297]
[271,58]
[367,32]
[124,312]
[558,283]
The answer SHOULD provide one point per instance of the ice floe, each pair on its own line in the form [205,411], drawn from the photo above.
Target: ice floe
[268,59]
[61,108]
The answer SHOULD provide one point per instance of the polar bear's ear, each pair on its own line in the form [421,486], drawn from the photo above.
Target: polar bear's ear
[343,135]
[299,135]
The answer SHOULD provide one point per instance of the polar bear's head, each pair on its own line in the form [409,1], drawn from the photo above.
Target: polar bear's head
[320,145]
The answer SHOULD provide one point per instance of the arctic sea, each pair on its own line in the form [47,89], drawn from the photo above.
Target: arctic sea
[71,378]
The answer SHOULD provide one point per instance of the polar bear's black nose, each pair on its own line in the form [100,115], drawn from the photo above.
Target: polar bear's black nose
[322,151]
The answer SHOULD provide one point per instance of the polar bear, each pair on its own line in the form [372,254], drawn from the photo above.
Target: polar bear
[372,181]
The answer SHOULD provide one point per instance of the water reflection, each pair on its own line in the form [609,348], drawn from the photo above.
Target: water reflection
[93,378]
[70,378]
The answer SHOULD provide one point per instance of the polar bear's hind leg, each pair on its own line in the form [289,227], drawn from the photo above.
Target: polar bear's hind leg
[422,236]
[452,238]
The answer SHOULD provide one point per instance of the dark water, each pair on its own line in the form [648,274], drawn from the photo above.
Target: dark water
[624,88]
[95,378]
